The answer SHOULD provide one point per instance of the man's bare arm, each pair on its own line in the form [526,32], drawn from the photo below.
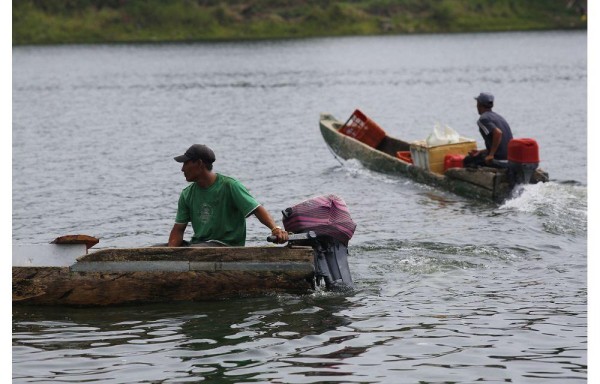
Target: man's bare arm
[176,236]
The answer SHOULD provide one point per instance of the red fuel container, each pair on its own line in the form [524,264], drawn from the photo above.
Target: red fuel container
[453,161]
[523,151]
[363,129]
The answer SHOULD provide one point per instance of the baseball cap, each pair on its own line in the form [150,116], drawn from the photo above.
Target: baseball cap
[195,152]
[485,99]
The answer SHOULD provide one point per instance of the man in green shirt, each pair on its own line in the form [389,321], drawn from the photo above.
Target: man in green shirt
[215,204]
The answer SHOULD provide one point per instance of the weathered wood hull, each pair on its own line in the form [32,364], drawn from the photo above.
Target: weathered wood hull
[145,275]
[485,184]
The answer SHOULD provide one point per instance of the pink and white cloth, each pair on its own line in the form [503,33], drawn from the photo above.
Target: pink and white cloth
[326,215]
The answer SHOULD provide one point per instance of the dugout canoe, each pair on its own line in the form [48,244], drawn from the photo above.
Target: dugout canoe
[115,276]
[491,184]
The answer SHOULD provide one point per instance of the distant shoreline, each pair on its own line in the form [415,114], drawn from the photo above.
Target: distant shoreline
[152,21]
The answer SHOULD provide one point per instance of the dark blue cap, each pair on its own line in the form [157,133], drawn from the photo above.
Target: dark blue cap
[486,99]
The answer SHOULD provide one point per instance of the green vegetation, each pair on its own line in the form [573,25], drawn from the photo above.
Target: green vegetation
[99,21]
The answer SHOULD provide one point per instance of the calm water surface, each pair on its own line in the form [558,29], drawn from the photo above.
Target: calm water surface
[448,289]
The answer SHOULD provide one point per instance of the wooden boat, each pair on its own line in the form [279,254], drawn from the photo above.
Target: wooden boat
[143,275]
[64,273]
[482,183]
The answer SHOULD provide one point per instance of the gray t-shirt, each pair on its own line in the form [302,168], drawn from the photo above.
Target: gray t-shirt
[487,122]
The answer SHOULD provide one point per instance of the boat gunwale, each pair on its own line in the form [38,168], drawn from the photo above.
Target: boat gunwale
[197,254]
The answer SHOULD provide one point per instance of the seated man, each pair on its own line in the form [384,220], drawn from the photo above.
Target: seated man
[215,204]
[496,134]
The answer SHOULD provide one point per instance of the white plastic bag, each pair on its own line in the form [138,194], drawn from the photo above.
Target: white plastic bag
[436,137]
[441,136]
[452,135]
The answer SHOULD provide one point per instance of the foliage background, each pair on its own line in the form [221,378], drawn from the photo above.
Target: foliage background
[103,21]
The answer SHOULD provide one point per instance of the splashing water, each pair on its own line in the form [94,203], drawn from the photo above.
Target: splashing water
[564,206]
[530,198]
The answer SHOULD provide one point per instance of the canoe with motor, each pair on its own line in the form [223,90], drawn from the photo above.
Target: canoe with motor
[484,183]
[64,273]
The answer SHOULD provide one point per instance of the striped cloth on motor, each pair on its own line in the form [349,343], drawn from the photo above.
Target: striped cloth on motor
[326,215]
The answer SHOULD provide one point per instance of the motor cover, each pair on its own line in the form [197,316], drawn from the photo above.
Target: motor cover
[326,215]
[523,151]
[523,160]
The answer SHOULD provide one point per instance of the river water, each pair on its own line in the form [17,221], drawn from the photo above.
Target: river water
[448,289]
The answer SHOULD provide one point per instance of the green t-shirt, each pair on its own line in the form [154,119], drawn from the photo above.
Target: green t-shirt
[218,213]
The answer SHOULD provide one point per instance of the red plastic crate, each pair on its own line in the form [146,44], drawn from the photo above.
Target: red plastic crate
[363,129]
[405,156]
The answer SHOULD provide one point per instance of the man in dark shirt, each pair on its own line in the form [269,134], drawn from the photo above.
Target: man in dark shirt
[494,129]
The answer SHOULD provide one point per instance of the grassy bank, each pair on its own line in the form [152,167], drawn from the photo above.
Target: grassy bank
[99,21]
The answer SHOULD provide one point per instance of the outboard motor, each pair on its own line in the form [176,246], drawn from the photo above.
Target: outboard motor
[523,160]
[327,227]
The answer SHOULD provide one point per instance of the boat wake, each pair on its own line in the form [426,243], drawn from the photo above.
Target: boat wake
[418,257]
[537,198]
[562,205]
[355,168]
